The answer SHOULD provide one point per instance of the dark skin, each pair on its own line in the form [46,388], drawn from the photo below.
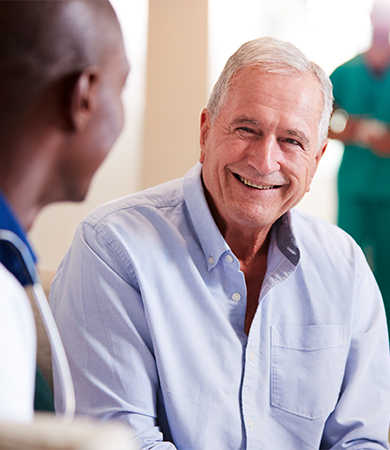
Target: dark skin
[52,143]
[34,156]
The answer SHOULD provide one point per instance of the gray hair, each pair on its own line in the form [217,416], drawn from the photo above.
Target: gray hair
[272,56]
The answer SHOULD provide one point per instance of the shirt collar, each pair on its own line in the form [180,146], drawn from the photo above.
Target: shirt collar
[285,239]
[9,221]
[211,240]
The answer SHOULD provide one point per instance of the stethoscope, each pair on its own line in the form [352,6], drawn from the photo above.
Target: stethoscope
[20,250]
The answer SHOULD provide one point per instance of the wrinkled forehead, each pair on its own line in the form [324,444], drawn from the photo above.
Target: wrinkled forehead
[294,95]
[304,88]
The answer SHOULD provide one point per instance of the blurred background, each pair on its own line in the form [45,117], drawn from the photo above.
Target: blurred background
[177,48]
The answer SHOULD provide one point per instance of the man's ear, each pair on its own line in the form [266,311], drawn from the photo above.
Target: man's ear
[320,153]
[318,157]
[83,97]
[204,129]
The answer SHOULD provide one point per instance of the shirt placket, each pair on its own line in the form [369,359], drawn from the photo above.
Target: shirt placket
[235,290]
[249,387]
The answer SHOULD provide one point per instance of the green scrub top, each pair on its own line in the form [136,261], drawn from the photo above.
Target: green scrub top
[359,91]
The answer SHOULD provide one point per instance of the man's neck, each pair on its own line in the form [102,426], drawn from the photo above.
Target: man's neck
[251,250]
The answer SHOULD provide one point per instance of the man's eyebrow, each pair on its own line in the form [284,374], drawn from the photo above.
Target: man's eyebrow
[299,135]
[244,121]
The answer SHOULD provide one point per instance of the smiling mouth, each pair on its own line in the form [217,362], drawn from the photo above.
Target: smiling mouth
[254,185]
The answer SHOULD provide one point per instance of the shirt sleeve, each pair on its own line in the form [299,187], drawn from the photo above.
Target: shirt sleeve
[362,412]
[99,311]
[17,351]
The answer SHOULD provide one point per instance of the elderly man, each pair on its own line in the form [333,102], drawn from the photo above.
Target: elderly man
[63,66]
[206,312]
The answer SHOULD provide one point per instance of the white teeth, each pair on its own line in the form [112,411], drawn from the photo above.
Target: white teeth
[249,183]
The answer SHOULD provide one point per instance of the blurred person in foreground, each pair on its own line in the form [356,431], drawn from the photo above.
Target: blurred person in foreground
[62,70]
[207,312]
[361,121]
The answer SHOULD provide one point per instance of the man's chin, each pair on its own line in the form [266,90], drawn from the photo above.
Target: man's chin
[76,196]
[80,198]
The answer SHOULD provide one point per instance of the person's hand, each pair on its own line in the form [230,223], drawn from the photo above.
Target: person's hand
[374,135]
[343,127]
[368,133]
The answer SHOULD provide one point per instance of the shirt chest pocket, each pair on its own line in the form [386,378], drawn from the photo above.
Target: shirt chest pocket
[307,367]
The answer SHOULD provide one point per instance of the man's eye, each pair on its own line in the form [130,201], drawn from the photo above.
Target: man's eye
[245,130]
[293,142]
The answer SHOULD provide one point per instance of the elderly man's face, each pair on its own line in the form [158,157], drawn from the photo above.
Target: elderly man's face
[261,153]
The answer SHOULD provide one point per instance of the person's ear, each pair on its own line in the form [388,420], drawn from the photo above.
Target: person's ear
[83,97]
[317,160]
[320,154]
[204,129]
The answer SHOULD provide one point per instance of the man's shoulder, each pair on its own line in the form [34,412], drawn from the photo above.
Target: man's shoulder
[327,249]
[317,233]
[164,196]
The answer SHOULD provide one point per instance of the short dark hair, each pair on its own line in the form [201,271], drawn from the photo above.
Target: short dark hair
[44,40]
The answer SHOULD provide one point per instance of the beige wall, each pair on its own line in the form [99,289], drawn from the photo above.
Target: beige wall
[176,87]
[176,90]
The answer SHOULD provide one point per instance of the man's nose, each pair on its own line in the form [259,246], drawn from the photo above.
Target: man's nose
[264,155]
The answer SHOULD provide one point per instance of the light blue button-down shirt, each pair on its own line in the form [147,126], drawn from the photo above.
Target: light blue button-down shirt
[150,302]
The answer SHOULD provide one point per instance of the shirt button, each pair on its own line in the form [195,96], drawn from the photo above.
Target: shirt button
[236,297]
[211,260]
[229,258]
[250,423]
[251,357]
